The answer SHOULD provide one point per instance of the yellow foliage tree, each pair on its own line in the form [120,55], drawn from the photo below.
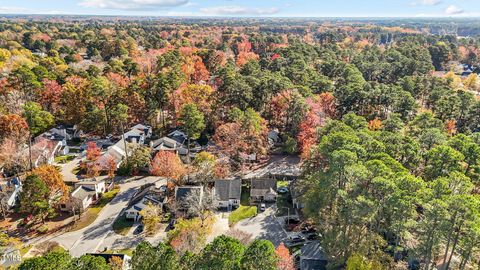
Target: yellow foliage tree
[151,218]
[471,82]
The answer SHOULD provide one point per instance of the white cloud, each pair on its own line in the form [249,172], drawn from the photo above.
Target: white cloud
[429,2]
[453,10]
[238,10]
[133,4]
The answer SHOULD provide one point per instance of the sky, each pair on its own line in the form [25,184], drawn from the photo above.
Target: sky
[248,8]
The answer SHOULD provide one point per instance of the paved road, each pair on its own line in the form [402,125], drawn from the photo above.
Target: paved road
[91,238]
[264,226]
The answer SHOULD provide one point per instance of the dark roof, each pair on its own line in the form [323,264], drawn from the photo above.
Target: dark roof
[264,183]
[139,194]
[313,251]
[228,189]
[313,265]
[182,192]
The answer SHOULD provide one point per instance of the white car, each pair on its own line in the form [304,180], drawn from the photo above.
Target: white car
[262,207]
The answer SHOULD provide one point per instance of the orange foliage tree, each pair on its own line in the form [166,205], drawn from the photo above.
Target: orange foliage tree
[320,108]
[14,127]
[375,124]
[451,127]
[285,260]
[167,164]
[200,72]
[53,180]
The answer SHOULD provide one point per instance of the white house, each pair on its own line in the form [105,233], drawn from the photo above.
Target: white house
[84,194]
[146,194]
[228,193]
[263,190]
[147,130]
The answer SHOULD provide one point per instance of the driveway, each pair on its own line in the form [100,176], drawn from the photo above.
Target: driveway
[91,238]
[264,226]
[67,168]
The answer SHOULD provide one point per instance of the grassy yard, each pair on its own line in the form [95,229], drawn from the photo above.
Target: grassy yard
[92,213]
[282,184]
[64,159]
[127,251]
[122,225]
[241,213]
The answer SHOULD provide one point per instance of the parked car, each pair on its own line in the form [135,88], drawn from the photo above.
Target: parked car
[291,221]
[282,190]
[163,188]
[312,236]
[171,224]
[138,230]
[262,207]
[295,241]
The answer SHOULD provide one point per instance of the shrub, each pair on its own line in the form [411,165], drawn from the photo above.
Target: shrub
[42,229]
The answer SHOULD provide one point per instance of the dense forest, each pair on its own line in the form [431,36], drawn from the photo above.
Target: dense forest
[385,114]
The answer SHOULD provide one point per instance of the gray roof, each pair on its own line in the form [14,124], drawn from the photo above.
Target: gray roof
[313,257]
[182,192]
[264,184]
[228,189]
[166,143]
[83,192]
[313,251]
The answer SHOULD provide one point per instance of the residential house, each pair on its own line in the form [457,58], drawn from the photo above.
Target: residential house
[182,192]
[273,137]
[84,194]
[70,132]
[80,199]
[115,153]
[125,259]
[44,149]
[312,257]
[228,193]
[99,186]
[168,144]
[147,130]
[263,190]
[178,136]
[10,192]
[146,194]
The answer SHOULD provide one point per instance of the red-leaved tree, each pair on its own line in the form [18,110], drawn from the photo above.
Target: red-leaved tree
[167,164]
[285,260]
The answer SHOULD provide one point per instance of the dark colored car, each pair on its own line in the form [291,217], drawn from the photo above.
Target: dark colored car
[138,230]
[171,224]
[295,241]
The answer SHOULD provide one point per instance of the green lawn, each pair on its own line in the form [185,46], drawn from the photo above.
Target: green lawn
[92,213]
[64,159]
[241,213]
[127,251]
[282,184]
[122,225]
